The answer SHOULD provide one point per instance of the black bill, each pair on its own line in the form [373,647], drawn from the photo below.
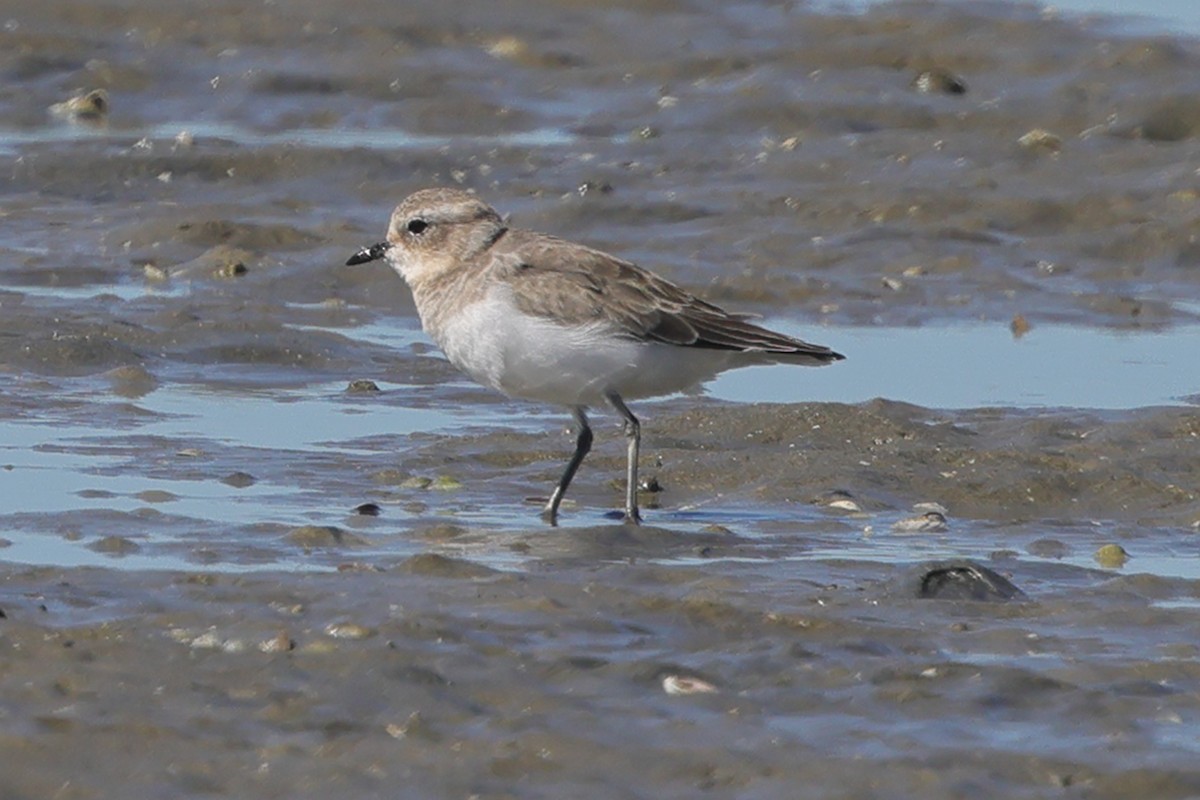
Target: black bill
[372,253]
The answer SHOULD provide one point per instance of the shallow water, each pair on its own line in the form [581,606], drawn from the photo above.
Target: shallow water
[316,138]
[969,366]
[194,603]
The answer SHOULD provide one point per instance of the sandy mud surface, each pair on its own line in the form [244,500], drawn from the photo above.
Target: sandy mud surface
[226,570]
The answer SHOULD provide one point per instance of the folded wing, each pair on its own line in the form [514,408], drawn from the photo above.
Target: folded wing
[579,285]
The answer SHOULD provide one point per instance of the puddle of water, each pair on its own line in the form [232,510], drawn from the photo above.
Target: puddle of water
[400,334]
[1139,17]
[58,463]
[1129,17]
[1186,603]
[78,483]
[972,366]
[123,290]
[320,138]
[54,551]
[321,416]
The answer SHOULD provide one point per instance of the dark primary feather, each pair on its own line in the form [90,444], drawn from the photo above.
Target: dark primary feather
[579,285]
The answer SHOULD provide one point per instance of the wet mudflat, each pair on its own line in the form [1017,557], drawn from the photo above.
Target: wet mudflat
[224,571]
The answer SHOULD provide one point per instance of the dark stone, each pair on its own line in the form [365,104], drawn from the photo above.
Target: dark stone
[963,580]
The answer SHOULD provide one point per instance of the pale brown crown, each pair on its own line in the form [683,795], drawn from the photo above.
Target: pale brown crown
[435,230]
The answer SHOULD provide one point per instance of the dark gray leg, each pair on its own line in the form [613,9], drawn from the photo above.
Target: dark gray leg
[633,432]
[583,443]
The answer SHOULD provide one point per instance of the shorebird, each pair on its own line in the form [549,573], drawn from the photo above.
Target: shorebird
[541,318]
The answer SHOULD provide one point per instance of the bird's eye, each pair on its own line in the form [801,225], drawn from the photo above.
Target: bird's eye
[417,226]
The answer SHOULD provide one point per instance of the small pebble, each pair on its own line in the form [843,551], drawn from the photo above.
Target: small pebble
[444,483]
[1041,139]
[650,485]
[929,522]
[416,726]
[181,635]
[963,580]
[233,646]
[681,684]
[1111,556]
[279,643]
[220,261]
[115,545]
[592,186]
[508,47]
[206,641]
[938,81]
[368,510]
[348,630]
[230,269]
[416,482]
[90,107]
[239,480]
[288,609]
[154,274]
[838,499]
[1019,326]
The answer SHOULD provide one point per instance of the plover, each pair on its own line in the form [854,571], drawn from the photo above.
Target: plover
[540,318]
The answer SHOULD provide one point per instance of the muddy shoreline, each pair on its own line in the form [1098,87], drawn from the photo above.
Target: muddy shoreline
[446,655]
[194,604]
[388,682]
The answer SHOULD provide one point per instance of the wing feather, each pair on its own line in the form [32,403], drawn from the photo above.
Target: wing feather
[553,278]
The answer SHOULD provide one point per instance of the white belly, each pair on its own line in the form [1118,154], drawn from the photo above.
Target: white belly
[538,359]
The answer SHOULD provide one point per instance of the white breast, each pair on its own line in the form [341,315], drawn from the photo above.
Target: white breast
[539,359]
